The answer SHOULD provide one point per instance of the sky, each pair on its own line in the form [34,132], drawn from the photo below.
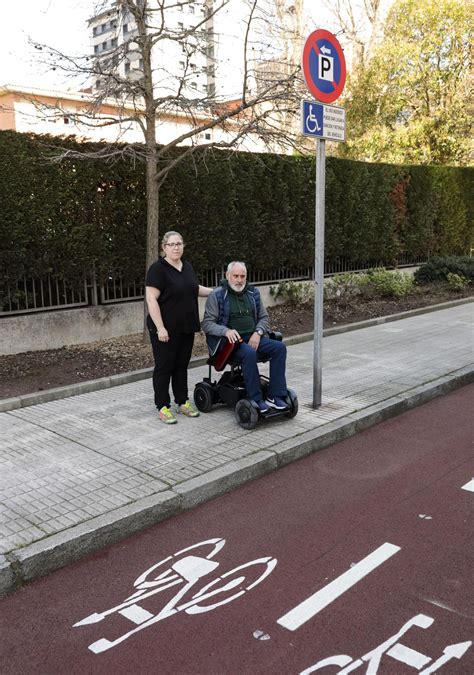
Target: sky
[61,24]
[58,23]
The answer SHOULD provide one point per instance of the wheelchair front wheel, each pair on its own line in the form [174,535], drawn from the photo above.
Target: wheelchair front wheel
[203,397]
[246,414]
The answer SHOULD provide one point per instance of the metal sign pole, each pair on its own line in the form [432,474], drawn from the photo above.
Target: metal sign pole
[324,70]
[319,271]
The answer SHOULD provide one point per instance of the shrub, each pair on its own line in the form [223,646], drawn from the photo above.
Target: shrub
[457,281]
[293,293]
[389,284]
[343,288]
[437,269]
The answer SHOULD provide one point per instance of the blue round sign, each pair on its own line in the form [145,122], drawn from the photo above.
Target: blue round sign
[324,66]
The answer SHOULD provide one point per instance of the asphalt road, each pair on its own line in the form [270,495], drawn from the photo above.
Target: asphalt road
[356,559]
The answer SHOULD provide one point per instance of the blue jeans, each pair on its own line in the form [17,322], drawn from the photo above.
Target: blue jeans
[275,352]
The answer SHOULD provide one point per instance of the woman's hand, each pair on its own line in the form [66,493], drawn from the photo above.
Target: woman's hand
[163,334]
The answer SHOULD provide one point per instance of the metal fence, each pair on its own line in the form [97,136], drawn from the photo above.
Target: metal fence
[51,293]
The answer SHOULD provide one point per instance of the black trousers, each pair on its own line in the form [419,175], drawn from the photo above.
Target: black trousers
[171,363]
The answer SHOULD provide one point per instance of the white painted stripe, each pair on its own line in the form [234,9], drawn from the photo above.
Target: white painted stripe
[469,486]
[409,656]
[315,603]
[136,614]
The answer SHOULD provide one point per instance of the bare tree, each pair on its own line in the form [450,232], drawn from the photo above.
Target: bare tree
[360,23]
[150,34]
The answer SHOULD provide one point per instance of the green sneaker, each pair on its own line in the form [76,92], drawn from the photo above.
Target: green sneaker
[167,416]
[188,409]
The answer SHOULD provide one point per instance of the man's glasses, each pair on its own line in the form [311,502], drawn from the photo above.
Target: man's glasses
[174,244]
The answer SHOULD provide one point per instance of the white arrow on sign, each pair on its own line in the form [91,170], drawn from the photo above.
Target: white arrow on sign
[325,50]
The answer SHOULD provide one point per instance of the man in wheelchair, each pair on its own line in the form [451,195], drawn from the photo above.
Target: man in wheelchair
[236,312]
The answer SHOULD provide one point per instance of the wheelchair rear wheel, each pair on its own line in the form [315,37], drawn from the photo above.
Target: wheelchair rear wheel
[246,414]
[292,400]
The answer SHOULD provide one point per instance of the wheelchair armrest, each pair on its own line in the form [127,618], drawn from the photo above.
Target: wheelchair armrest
[221,357]
[275,335]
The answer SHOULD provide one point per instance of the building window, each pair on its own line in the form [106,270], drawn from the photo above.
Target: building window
[104,46]
[194,85]
[113,42]
[207,136]
[66,119]
[180,25]
[125,28]
[127,67]
[94,31]
[191,9]
[96,49]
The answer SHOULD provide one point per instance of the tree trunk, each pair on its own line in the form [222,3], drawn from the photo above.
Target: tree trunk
[153,205]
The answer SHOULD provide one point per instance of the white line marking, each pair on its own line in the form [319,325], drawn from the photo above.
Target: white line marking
[469,486]
[136,614]
[297,616]
[409,656]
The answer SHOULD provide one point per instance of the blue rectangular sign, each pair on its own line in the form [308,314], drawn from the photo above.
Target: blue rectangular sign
[323,121]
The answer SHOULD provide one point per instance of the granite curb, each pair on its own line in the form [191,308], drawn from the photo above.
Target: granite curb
[57,393]
[61,549]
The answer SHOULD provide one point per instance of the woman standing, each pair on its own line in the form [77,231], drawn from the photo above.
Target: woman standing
[172,291]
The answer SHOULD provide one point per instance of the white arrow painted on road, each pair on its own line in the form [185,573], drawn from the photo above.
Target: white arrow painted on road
[456,651]
[469,486]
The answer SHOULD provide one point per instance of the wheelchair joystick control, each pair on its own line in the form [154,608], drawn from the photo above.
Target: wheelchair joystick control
[224,355]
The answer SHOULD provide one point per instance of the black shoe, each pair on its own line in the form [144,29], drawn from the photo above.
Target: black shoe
[276,402]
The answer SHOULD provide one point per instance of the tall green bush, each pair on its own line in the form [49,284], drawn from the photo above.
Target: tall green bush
[66,217]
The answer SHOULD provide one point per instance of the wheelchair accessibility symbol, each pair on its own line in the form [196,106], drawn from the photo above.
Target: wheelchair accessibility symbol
[314,119]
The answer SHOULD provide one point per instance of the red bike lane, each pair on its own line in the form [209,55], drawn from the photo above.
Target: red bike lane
[361,561]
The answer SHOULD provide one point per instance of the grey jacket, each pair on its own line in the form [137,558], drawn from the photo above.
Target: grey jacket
[216,313]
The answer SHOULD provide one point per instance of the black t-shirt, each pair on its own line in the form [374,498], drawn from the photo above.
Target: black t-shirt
[178,296]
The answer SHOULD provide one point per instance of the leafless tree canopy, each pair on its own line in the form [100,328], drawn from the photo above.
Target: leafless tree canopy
[147,71]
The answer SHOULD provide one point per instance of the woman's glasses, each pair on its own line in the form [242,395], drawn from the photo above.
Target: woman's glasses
[174,244]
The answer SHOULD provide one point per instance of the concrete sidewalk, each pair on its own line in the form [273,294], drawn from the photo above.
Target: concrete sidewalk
[79,473]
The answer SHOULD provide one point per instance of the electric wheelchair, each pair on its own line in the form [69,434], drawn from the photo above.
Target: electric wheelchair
[230,388]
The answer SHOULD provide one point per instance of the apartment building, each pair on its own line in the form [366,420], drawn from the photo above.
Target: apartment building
[41,111]
[183,56]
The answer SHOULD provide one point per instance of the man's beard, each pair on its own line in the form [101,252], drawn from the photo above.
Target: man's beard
[237,288]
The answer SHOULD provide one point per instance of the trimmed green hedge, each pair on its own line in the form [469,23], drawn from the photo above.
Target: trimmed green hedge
[64,217]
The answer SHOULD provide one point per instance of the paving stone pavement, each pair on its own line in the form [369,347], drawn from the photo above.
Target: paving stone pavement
[80,472]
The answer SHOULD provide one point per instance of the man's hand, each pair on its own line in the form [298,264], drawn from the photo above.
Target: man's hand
[254,341]
[232,335]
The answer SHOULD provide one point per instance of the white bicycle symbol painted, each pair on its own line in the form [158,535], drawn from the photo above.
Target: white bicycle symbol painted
[395,649]
[183,569]
[312,121]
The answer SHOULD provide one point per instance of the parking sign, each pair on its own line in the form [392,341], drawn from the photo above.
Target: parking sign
[324,66]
